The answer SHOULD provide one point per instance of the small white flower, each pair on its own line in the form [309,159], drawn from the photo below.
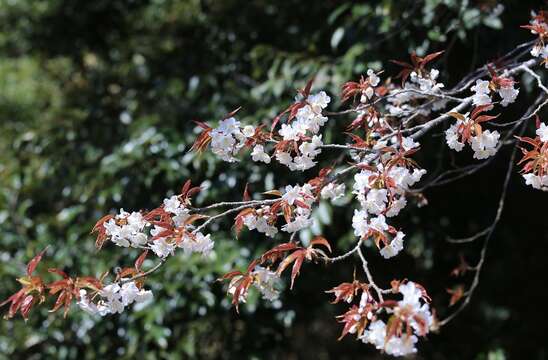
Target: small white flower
[110,291]
[542,132]
[368,93]
[136,220]
[481,87]
[229,126]
[396,206]
[85,304]
[395,246]
[375,334]
[375,201]
[303,163]
[289,133]
[359,223]
[203,244]
[139,239]
[284,158]
[481,96]
[411,295]
[115,305]
[261,224]
[537,182]
[172,204]
[266,282]
[258,154]
[408,143]
[508,95]
[452,138]
[481,99]
[320,100]
[379,223]
[401,346]
[485,145]
[291,194]
[162,248]
[248,131]
[309,149]
[373,78]
[129,293]
[300,222]
[333,191]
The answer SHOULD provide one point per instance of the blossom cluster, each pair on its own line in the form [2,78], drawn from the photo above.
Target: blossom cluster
[260,220]
[484,88]
[468,129]
[302,198]
[535,160]
[113,298]
[296,144]
[408,318]
[229,138]
[421,86]
[162,236]
[484,145]
[539,26]
[333,191]
[304,160]
[413,312]
[381,191]
[300,143]
[295,205]
[263,279]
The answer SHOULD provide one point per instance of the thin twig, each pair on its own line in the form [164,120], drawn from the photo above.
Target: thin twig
[370,280]
[483,252]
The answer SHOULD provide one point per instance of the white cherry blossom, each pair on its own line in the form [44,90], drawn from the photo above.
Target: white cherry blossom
[542,132]
[485,145]
[258,154]
[333,191]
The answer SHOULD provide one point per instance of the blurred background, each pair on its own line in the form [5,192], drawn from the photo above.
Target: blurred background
[96,103]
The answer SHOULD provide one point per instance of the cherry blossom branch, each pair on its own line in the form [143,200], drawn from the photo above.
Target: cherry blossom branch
[246,204]
[491,229]
[345,255]
[478,267]
[230,203]
[471,169]
[370,280]
[470,238]
[535,75]
[424,128]
[144,274]
[468,81]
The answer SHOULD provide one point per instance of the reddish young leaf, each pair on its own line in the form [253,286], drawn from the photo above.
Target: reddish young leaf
[278,251]
[140,260]
[58,272]
[232,113]
[31,266]
[186,187]
[347,291]
[320,240]
[296,269]
[456,294]
[246,196]
[99,228]
[353,319]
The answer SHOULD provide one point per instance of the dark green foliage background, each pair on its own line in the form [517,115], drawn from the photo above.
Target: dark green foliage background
[96,103]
